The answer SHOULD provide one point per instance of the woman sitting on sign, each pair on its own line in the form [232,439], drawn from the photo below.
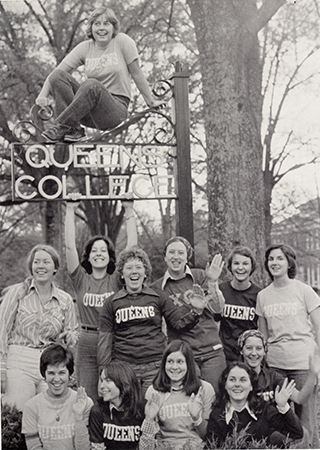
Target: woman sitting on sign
[110,59]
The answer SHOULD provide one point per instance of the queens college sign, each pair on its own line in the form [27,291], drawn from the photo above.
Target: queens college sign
[102,171]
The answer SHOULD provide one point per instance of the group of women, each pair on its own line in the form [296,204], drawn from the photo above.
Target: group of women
[196,390]
[179,362]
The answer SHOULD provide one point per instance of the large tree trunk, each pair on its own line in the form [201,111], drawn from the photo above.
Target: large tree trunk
[231,70]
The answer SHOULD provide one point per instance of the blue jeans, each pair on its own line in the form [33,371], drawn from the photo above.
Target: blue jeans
[145,374]
[86,363]
[90,103]
[307,412]
[211,368]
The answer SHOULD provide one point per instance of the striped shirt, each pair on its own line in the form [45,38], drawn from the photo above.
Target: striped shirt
[26,321]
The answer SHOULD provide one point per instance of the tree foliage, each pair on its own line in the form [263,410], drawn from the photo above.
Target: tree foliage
[227,46]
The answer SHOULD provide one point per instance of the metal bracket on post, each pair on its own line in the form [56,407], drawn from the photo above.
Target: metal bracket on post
[182,129]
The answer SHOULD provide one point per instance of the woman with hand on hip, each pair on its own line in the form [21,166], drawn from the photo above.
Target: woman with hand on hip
[110,59]
[130,326]
[289,317]
[178,402]
[33,314]
[94,280]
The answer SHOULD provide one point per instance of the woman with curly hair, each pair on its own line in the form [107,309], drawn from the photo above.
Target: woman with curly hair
[94,280]
[130,326]
[238,407]
[115,422]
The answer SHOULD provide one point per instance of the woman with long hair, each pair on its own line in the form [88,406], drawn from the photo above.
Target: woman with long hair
[238,407]
[289,317]
[115,421]
[178,402]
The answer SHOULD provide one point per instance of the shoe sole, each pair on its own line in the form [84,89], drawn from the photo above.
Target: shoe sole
[52,141]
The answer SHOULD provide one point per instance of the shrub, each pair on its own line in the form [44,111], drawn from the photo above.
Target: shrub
[12,439]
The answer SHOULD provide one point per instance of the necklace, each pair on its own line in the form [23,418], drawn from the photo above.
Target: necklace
[58,412]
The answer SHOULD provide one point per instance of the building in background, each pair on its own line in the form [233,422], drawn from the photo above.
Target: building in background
[302,232]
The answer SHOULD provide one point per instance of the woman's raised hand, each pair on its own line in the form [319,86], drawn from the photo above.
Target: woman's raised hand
[195,405]
[80,403]
[152,407]
[213,270]
[283,394]
[73,200]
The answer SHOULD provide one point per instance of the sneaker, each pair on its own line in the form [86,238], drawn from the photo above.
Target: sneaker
[56,133]
[74,134]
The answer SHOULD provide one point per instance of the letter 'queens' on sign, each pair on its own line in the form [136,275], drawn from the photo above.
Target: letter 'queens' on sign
[101,171]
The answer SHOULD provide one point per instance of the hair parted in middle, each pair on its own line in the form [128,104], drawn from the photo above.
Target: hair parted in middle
[222,399]
[54,355]
[191,383]
[124,377]
[86,264]
[111,17]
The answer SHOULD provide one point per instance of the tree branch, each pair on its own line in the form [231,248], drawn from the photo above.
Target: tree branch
[268,9]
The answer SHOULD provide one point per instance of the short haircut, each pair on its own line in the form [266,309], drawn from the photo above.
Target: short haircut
[54,355]
[289,253]
[243,251]
[86,264]
[191,383]
[184,241]
[112,18]
[46,248]
[133,253]
[124,377]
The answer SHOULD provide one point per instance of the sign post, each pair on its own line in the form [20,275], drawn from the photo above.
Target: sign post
[182,130]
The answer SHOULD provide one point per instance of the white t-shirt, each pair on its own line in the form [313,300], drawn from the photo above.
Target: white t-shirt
[109,66]
[53,420]
[287,312]
[175,423]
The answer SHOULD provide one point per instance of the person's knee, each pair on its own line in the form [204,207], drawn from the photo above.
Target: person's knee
[56,76]
[91,84]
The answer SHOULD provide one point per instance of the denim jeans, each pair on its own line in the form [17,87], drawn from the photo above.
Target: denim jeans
[145,374]
[307,412]
[211,368]
[89,103]
[24,380]
[86,363]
